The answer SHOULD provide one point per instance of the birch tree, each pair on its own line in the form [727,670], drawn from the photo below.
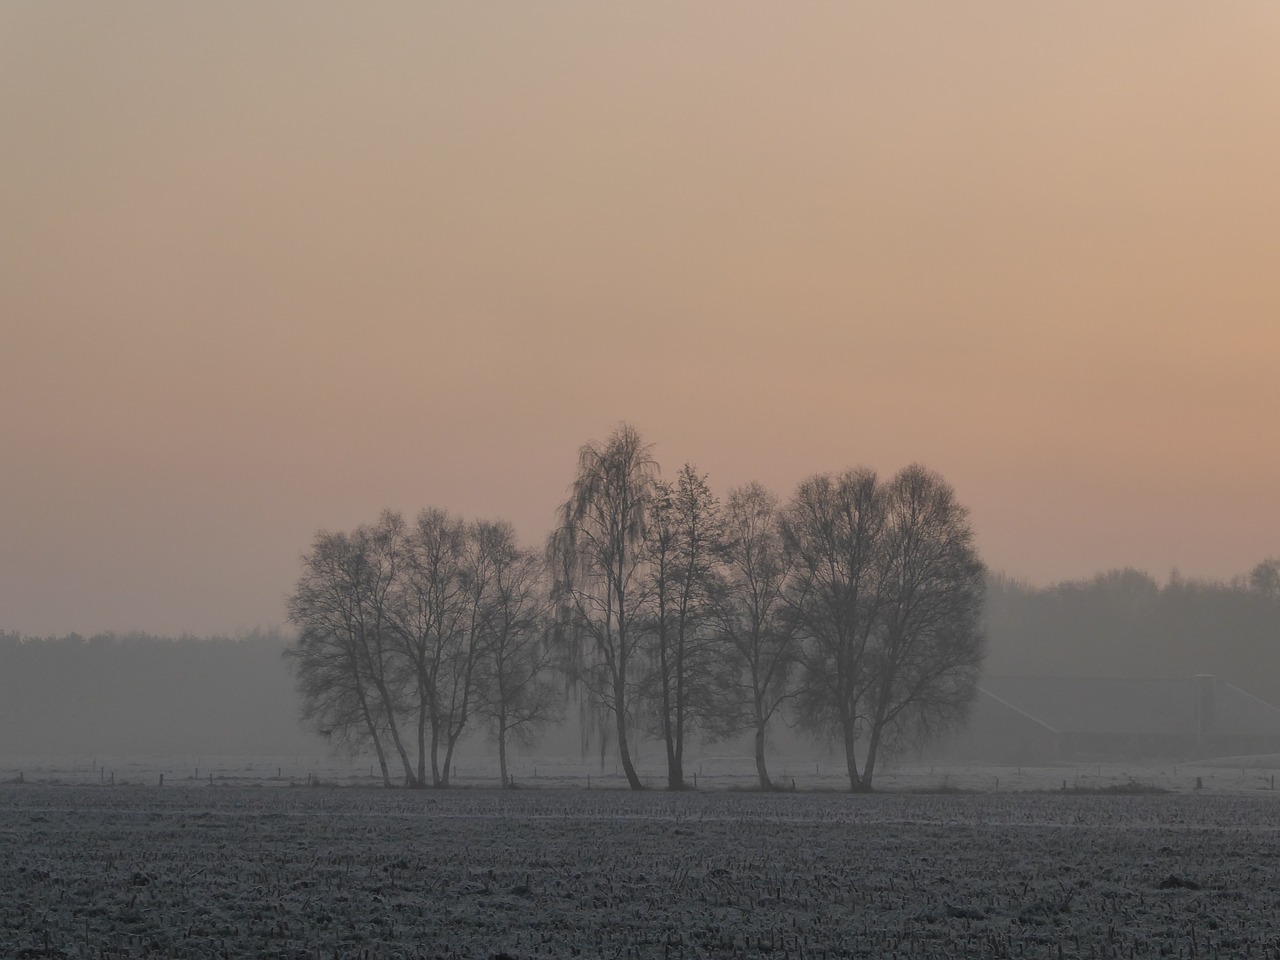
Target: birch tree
[430,613]
[343,609]
[929,645]
[516,693]
[887,593]
[457,694]
[598,552]
[685,534]
[327,666]
[833,527]
[752,615]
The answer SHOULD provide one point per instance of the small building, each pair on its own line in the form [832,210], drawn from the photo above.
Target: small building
[1027,720]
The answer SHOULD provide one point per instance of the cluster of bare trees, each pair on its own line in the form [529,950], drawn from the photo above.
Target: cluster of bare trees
[409,633]
[852,609]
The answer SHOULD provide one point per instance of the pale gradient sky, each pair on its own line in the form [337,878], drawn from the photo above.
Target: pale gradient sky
[268,268]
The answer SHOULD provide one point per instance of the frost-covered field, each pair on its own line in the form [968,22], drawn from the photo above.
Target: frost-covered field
[93,871]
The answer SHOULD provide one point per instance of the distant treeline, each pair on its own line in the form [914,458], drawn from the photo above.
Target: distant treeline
[1125,624]
[141,694]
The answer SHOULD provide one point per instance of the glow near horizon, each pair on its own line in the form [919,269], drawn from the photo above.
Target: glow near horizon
[274,269]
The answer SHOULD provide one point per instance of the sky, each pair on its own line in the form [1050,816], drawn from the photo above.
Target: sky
[269,269]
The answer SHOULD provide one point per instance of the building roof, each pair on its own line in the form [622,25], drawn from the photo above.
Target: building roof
[1077,705]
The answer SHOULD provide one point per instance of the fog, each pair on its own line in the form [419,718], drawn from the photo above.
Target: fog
[139,695]
[269,271]
[193,697]
[1126,623]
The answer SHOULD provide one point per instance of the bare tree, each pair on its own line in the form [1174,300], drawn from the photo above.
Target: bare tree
[484,542]
[432,617]
[344,656]
[929,645]
[751,612]
[516,693]
[833,528]
[599,558]
[1265,577]
[325,658]
[392,624]
[685,534]
[888,594]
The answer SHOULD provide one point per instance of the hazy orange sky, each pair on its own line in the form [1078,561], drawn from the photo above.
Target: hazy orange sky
[268,268]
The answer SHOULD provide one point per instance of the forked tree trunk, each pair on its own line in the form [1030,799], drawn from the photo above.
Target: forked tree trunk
[448,757]
[396,740]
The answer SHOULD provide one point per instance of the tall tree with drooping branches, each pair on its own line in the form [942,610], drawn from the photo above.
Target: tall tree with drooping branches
[599,557]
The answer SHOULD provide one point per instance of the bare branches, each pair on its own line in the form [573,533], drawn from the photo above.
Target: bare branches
[760,638]
[398,628]
[888,593]
[598,557]
[854,608]
[685,689]
[516,693]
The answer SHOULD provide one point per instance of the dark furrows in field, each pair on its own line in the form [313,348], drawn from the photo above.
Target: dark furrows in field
[199,872]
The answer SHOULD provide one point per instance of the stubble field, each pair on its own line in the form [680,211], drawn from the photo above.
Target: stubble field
[197,871]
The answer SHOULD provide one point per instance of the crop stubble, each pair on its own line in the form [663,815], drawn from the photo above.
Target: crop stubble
[213,872]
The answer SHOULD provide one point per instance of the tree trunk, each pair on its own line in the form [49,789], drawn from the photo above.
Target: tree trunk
[435,751]
[849,733]
[453,730]
[377,741]
[382,762]
[873,750]
[502,754]
[664,676]
[453,734]
[761,771]
[422,737]
[868,768]
[448,760]
[670,733]
[675,765]
[624,751]
[395,736]
[675,774]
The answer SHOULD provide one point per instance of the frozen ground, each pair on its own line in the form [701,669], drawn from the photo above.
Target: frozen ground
[236,871]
